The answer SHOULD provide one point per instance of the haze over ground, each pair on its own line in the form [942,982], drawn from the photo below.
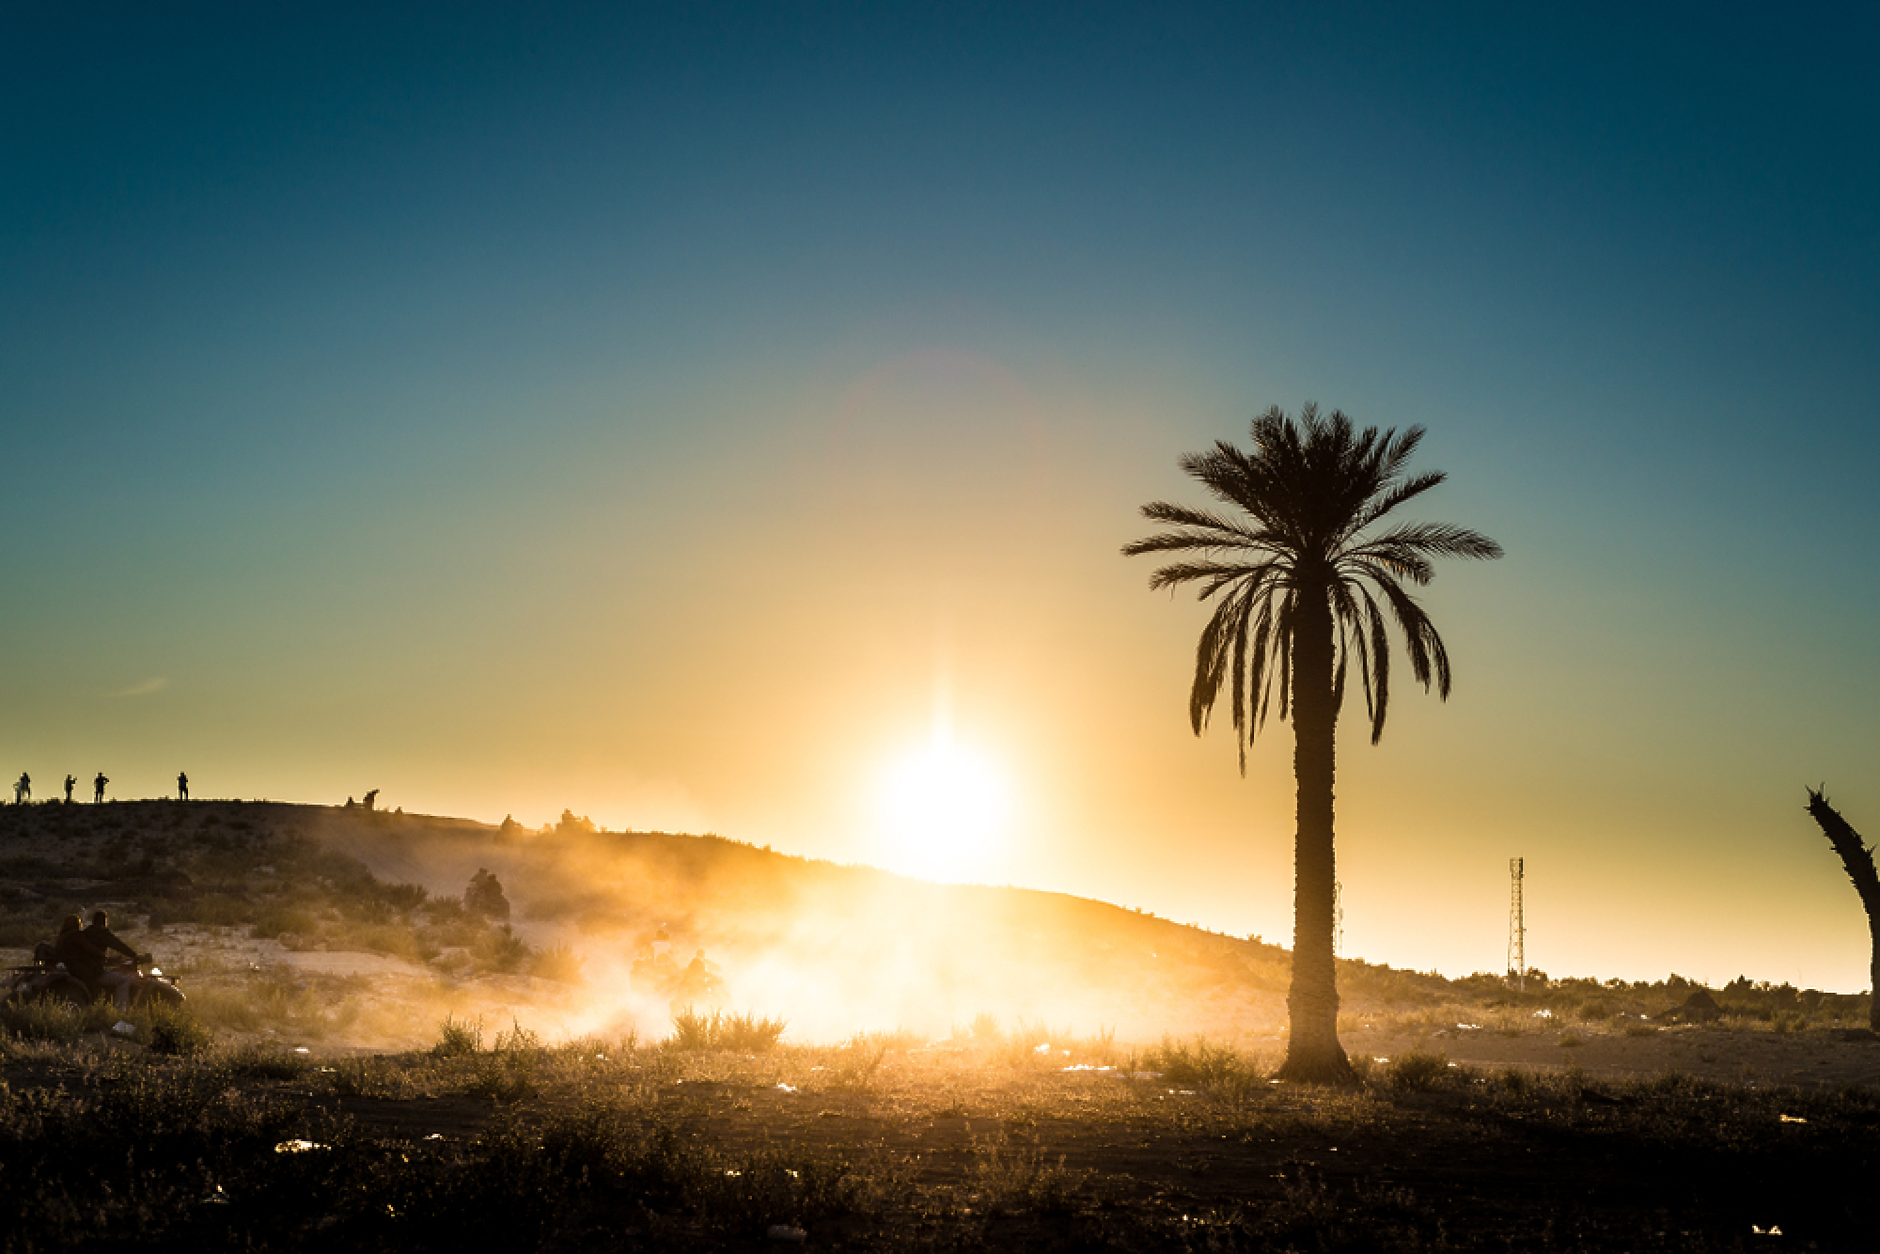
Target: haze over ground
[669,418]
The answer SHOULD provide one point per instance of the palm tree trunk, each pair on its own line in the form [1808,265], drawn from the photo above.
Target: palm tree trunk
[1857,858]
[1313,1053]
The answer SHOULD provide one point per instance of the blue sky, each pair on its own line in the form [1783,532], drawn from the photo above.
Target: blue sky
[645,411]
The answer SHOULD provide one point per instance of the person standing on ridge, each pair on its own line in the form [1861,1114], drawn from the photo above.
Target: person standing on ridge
[97,787]
[70,784]
[182,786]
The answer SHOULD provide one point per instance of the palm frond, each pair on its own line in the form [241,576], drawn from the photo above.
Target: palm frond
[1350,603]
[1297,509]
[1180,542]
[1397,451]
[1187,572]
[1401,564]
[1380,649]
[1243,734]
[1429,660]
[1391,495]
[1264,664]
[1198,520]
[1433,540]
[1211,653]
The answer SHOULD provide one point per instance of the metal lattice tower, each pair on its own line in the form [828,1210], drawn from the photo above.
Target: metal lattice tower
[1517,925]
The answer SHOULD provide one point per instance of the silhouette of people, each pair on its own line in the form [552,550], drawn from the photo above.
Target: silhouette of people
[70,784]
[372,799]
[182,786]
[26,787]
[19,788]
[103,940]
[71,948]
[97,787]
[485,895]
[662,948]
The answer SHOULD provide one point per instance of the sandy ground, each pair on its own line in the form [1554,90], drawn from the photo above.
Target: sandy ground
[1808,1059]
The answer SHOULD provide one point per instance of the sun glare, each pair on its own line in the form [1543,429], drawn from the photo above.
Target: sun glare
[943,810]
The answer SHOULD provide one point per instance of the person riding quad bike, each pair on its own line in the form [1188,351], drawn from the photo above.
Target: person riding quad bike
[81,951]
[114,977]
[701,984]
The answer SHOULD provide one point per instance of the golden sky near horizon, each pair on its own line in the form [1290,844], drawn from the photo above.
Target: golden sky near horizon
[864,580]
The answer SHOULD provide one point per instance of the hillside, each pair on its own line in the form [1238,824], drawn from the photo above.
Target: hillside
[834,949]
[239,888]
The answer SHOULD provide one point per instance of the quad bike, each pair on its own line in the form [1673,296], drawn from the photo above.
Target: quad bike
[47,980]
[699,988]
[692,986]
[43,981]
[147,985]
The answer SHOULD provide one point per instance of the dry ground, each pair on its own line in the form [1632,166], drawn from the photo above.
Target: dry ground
[1001,1146]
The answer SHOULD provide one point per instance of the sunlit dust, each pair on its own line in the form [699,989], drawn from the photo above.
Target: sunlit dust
[943,810]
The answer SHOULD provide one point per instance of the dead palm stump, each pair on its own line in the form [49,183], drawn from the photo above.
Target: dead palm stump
[1858,859]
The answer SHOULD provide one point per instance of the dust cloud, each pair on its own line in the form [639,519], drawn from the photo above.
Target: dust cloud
[832,950]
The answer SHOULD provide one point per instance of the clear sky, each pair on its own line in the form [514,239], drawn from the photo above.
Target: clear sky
[675,413]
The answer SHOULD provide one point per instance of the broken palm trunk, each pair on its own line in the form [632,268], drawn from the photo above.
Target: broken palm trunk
[1858,859]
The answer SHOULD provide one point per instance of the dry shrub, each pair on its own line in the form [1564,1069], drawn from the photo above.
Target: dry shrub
[47,1019]
[1017,1178]
[1200,1062]
[507,1072]
[175,1031]
[393,939]
[499,949]
[745,1033]
[212,910]
[279,920]
[557,962]
[1417,1071]
[458,1038]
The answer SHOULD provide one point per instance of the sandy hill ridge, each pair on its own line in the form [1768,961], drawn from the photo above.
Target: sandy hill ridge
[832,948]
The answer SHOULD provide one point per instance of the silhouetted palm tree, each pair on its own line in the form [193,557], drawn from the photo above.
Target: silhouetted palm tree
[1859,861]
[1307,585]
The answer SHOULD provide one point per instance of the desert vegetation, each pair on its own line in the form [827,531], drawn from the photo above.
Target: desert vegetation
[1014,1138]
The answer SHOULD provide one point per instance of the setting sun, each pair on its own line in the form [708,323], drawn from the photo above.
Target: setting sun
[942,810]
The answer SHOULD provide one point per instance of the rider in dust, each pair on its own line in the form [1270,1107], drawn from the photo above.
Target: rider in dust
[82,962]
[103,940]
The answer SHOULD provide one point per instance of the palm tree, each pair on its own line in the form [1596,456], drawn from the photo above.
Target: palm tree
[1307,585]
[1858,859]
